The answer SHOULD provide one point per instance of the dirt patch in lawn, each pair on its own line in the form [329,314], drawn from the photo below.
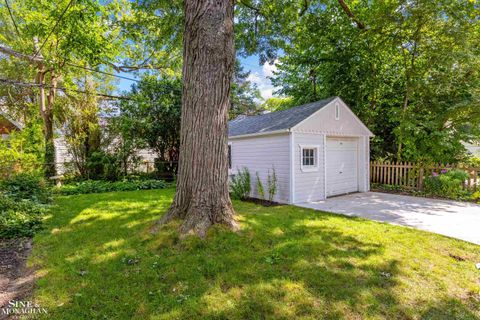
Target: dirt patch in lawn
[16,280]
[265,203]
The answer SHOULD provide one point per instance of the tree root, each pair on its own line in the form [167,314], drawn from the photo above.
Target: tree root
[197,220]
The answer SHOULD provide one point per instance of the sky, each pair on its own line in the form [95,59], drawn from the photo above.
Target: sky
[258,75]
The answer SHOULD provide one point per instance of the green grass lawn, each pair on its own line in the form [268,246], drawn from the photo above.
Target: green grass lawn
[97,260]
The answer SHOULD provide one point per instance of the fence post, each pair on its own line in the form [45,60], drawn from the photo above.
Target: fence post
[420,178]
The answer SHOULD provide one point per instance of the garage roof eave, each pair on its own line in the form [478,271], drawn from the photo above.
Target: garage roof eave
[259,134]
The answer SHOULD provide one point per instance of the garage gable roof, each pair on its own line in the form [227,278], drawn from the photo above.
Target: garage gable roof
[274,121]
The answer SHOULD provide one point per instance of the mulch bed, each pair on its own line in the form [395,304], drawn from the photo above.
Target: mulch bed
[16,280]
[263,202]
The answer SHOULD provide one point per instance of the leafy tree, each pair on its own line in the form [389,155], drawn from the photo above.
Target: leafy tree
[151,116]
[408,69]
[52,39]
[277,104]
[22,151]
[82,128]
[245,95]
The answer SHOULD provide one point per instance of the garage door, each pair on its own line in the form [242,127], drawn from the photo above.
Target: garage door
[342,166]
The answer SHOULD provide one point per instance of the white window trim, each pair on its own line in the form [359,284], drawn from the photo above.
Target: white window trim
[317,158]
[337,111]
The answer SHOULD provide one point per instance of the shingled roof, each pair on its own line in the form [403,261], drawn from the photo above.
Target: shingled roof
[274,121]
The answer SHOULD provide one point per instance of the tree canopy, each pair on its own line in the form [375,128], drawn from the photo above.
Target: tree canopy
[411,72]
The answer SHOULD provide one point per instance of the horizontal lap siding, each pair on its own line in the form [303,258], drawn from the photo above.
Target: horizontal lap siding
[63,156]
[309,186]
[260,154]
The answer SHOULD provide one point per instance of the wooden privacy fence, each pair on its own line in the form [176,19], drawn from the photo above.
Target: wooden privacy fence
[410,175]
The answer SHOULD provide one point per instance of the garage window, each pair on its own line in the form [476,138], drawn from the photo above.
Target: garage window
[309,158]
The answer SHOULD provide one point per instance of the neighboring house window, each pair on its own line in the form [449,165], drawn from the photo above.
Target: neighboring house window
[229,156]
[309,161]
[337,111]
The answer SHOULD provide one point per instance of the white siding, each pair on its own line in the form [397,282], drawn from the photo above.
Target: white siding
[364,164]
[63,157]
[260,154]
[309,186]
[324,122]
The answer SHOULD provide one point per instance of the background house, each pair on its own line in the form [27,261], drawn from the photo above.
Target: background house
[318,150]
[64,160]
[8,125]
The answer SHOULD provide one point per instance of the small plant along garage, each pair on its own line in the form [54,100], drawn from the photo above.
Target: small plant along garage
[318,150]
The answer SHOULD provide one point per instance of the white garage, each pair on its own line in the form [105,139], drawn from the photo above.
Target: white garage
[318,150]
[341,166]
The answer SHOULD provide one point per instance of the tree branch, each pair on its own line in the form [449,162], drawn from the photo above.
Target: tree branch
[349,13]
[22,56]
[251,7]
[305,5]
[134,68]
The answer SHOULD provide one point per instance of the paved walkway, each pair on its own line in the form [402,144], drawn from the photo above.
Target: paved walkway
[455,219]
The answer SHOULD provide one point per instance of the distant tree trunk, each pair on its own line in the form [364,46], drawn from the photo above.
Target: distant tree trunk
[46,112]
[48,120]
[202,197]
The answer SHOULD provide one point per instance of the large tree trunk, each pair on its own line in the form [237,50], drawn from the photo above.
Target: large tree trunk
[202,197]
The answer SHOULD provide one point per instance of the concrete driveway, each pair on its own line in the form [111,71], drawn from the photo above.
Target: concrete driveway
[455,219]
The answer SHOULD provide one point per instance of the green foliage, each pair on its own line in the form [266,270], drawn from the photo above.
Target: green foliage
[24,186]
[448,184]
[278,104]
[473,162]
[240,184]
[82,131]
[102,165]
[22,151]
[20,218]
[152,116]
[272,184]
[260,190]
[412,75]
[23,199]
[243,94]
[99,186]
[476,196]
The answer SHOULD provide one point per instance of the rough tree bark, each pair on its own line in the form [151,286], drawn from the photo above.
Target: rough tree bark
[202,197]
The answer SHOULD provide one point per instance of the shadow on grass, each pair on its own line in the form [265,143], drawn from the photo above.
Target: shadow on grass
[99,261]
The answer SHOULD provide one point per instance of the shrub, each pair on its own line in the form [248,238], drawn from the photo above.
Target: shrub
[446,184]
[22,151]
[475,196]
[272,184]
[98,186]
[240,185]
[104,166]
[473,162]
[19,218]
[260,190]
[24,186]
